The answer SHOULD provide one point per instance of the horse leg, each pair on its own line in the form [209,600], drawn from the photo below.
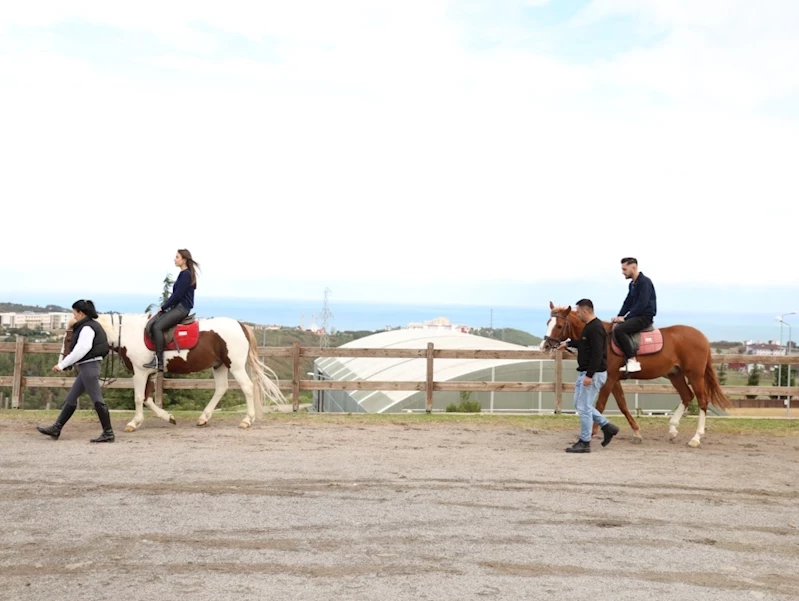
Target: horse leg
[698,384]
[221,387]
[150,403]
[601,401]
[621,401]
[686,394]
[614,386]
[240,373]
[139,386]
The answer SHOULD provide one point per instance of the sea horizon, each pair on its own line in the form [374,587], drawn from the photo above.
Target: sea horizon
[376,316]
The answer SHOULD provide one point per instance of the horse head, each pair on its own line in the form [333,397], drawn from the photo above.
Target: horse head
[67,339]
[559,327]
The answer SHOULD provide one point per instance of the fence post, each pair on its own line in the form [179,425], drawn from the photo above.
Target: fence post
[158,392]
[16,388]
[295,382]
[558,381]
[429,384]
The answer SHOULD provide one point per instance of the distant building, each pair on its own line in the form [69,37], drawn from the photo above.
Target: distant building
[764,349]
[35,321]
[439,324]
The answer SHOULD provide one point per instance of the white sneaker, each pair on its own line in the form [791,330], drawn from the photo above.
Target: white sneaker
[632,365]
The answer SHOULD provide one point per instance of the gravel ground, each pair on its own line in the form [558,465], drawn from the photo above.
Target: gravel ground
[311,510]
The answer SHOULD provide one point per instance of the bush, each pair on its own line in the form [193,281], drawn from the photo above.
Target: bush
[464,407]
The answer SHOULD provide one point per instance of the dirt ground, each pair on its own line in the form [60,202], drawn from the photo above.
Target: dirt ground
[320,509]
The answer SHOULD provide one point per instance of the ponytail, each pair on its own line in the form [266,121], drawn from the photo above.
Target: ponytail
[86,307]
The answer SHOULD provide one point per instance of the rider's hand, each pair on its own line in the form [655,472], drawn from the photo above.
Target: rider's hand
[562,345]
[56,368]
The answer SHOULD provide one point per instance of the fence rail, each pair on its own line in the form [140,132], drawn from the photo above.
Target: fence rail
[18,382]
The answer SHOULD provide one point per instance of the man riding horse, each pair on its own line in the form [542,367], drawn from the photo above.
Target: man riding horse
[637,313]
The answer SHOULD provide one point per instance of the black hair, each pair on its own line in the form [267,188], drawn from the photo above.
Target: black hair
[86,307]
[629,261]
[584,302]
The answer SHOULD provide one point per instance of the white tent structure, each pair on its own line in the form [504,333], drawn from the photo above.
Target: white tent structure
[499,370]
[406,370]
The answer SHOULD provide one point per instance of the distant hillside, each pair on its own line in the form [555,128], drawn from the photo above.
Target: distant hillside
[509,335]
[17,308]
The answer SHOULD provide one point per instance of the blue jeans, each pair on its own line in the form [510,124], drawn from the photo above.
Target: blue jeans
[584,399]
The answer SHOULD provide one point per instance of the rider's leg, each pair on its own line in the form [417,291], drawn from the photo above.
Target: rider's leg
[169,319]
[622,334]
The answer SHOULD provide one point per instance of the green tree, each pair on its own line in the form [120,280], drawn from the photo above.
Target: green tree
[781,379]
[781,376]
[722,372]
[166,291]
[753,380]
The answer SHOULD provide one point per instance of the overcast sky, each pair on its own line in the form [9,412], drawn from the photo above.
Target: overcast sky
[399,150]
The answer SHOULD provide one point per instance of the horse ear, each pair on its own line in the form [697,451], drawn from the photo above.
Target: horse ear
[568,310]
[551,306]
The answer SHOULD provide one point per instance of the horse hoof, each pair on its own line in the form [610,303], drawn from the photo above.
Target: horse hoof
[244,425]
[637,440]
[202,423]
[172,420]
[130,429]
[693,443]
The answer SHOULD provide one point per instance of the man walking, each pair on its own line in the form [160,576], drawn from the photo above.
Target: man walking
[637,312]
[592,373]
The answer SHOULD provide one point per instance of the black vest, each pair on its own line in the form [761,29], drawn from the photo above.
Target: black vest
[100,345]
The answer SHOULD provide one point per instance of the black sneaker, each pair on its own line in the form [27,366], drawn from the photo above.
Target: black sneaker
[610,431]
[579,447]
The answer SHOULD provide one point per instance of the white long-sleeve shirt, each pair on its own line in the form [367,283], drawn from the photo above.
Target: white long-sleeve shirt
[83,346]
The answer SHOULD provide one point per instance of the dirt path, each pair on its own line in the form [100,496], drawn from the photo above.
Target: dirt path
[310,510]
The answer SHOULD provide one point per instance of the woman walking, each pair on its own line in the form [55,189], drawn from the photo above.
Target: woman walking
[87,348]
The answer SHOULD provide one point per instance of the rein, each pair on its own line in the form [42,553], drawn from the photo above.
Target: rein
[112,366]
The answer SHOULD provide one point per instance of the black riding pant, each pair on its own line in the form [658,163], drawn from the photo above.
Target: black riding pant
[87,380]
[629,327]
[165,320]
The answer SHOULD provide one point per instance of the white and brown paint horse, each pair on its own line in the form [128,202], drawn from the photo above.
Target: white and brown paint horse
[220,343]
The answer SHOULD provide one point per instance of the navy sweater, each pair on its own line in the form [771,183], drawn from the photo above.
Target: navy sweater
[641,298]
[182,292]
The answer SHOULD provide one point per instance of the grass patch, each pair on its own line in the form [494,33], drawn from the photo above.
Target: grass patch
[731,425]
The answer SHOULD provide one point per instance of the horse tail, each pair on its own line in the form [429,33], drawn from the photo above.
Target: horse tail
[260,374]
[714,392]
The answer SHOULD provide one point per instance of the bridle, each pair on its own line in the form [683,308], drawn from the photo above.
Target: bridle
[567,332]
[112,365]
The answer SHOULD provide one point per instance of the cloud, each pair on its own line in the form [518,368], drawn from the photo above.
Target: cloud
[375,144]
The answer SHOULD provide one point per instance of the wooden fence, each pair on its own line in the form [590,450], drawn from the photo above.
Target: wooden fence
[18,382]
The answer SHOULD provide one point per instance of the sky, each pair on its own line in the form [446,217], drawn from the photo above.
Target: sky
[484,151]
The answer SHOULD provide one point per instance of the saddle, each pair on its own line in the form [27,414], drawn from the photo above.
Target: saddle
[183,336]
[646,342]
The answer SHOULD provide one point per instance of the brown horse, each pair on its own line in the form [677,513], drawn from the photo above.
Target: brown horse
[678,352]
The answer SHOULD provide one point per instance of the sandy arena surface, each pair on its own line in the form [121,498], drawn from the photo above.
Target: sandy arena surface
[311,509]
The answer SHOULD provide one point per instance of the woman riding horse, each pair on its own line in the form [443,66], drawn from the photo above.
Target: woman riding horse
[176,307]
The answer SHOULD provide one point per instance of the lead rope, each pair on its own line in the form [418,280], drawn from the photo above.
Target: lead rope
[112,366]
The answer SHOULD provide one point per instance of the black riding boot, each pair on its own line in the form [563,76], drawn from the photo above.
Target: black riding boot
[63,418]
[105,421]
[157,362]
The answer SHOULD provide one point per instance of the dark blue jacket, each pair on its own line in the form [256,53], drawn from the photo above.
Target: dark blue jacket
[182,292]
[641,299]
